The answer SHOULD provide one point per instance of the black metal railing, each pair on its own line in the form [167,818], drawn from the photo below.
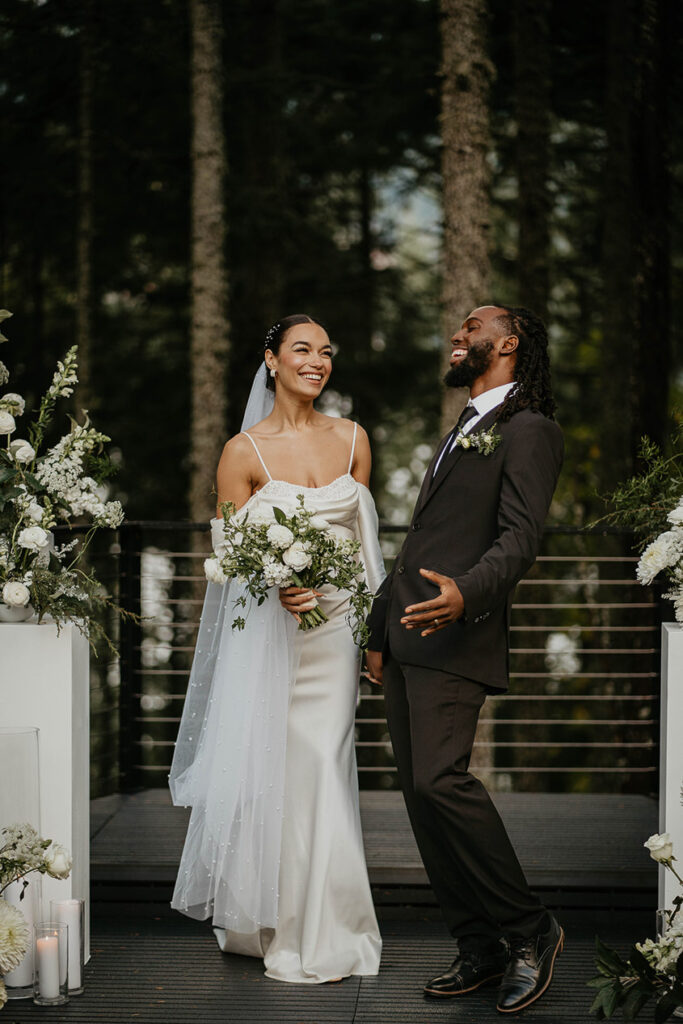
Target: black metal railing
[582,713]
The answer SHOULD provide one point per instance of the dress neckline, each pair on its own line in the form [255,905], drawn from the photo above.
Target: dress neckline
[303,487]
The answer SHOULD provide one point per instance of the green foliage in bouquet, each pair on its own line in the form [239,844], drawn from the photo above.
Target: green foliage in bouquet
[43,488]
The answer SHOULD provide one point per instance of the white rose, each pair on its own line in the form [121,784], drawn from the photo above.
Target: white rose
[280,536]
[15,594]
[13,403]
[35,511]
[7,424]
[660,847]
[35,538]
[297,557]
[22,450]
[675,517]
[213,571]
[318,523]
[58,861]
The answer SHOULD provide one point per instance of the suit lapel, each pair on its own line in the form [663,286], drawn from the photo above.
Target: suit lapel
[430,484]
[427,481]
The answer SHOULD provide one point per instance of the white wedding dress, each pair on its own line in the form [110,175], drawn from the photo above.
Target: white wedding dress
[317,921]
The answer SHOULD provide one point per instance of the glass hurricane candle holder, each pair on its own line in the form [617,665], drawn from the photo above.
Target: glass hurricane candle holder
[51,959]
[72,914]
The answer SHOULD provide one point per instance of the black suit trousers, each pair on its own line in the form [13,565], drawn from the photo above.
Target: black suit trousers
[471,864]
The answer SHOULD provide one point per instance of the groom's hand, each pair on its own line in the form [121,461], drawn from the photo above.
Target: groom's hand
[431,616]
[373,666]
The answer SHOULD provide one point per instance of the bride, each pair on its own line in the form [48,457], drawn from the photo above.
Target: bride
[265,753]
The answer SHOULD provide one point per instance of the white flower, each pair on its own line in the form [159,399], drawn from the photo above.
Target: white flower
[58,861]
[465,441]
[660,847]
[14,937]
[3,990]
[16,594]
[22,450]
[277,575]
[318,523]
[675,517]
[213,571]
[35,511]
[297,557]
[7,424]
[662,553]
[280,536]
[4,373]
[13,403]
[35,538]
[261,515]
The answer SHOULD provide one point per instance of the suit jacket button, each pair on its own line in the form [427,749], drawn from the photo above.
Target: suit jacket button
[416,526]
[401,569]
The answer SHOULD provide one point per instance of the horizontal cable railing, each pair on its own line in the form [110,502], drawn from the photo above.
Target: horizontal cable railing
[581,715]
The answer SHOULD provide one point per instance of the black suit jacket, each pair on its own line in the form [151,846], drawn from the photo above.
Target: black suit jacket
[481,523]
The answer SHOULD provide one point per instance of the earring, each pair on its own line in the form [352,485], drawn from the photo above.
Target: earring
[273,373]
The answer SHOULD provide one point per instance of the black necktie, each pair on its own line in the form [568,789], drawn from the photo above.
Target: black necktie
[465,416]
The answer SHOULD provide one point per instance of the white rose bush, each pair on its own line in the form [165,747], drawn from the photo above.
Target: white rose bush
[263,547]
[653,968]
[43,487]
[23,851]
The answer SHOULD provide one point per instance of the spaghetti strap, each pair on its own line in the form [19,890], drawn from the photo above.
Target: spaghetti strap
[353,447]
[259,453]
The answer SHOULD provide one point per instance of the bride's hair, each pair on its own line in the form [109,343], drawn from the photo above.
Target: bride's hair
[276,333]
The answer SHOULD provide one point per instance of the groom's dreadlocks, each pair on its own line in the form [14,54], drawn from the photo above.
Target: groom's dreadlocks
[534,388]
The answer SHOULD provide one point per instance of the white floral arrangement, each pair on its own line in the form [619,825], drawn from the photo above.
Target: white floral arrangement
[664,555]
[483,441]
[263,548]
[654,968]
[23,851]
[42,489]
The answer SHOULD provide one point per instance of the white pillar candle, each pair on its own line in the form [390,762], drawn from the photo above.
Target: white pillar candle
[70,912]
[22,976]
[47,952]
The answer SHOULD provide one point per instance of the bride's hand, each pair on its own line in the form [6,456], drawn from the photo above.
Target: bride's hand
[298,599]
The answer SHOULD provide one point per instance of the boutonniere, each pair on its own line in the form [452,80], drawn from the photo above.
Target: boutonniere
[482,441]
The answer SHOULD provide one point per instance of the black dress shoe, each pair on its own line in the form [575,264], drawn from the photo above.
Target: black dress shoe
[530,968]
[477,963]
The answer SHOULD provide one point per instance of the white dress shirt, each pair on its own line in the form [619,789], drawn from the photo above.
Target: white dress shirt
[483,403]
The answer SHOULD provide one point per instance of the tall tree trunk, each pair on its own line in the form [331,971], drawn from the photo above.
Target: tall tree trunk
[466,73]
[84,237]
[532,74]
[652,258]
[210,328]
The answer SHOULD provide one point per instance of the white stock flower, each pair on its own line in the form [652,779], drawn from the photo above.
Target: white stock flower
[261,515]
[58,861]
[4,373]
[7,424]
[16,594]
[661,554]
[280,536]
[277,575]
[22,450]
[675,517]
[297,557]
[14,937]
[213,571]
[660,846]
[13,403]
[34,538]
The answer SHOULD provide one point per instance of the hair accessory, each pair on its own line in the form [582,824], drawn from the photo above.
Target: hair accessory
[271,334]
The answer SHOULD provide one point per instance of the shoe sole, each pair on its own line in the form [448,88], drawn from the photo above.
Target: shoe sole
[436,994]
[522,1006]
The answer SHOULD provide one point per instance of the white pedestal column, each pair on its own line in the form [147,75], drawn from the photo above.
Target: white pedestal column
[671,755]
[44,682]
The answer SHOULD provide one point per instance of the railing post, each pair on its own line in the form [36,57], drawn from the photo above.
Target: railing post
[130,661]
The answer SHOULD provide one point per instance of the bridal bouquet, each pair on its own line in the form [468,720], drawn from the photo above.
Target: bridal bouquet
[41,488]
[654,968]
[263,548]
[22,851]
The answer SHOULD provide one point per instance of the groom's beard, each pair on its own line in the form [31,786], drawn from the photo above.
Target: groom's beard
[475,363]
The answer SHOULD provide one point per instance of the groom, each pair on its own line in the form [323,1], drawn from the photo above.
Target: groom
[439,643]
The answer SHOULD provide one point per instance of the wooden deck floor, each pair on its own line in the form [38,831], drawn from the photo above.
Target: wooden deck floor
[151,966]
[572,842]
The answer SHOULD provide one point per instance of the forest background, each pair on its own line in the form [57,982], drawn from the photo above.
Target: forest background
[176,176]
